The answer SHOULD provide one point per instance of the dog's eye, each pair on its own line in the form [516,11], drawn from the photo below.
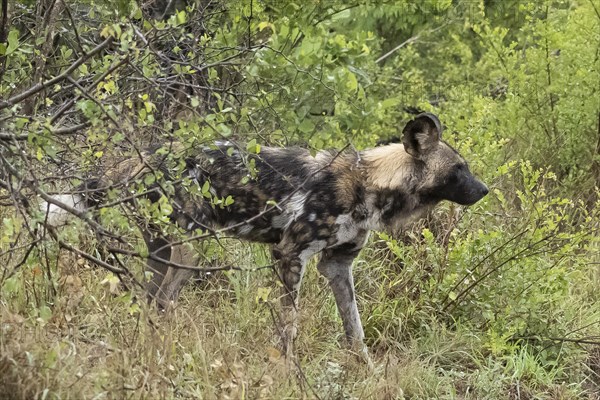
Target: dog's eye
[460,167]
[455,172]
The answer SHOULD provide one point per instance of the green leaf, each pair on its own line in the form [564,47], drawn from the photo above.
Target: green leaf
[181,17]
[306,126]
[149,179]
[117,28]
[137,12]
[118,137]
[224,130]
[391,102]
[262,294]
[134,309]
[45,313]
[112,281]
[253,147]
[10,285]
[351,82]
[13,41]
[206,188]
[263,25]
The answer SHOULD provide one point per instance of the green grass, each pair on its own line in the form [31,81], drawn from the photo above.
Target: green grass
[83,339]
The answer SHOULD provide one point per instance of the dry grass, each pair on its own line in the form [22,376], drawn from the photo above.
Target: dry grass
[89,339]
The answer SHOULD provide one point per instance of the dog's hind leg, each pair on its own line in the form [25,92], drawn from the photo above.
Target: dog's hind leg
[336,266]
[176,277]
[160,248]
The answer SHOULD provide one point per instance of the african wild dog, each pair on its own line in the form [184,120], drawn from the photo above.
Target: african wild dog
[305,205]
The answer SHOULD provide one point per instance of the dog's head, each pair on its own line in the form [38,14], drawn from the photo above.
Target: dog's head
[446,175]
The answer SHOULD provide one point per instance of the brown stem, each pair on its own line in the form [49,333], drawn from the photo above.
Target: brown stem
[596,162]
[66,130]
[3,35]
[99,79]
[46,30]
[550,90]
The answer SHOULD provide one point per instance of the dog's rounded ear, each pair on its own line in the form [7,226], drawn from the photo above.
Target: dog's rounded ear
[421,134]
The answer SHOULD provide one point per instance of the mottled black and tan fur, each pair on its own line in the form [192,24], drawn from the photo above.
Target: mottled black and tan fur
[306,205]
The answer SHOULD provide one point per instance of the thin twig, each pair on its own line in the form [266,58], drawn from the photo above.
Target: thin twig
[99,79]
[3,35]
[66,130]
[42,85]
[83,254]
[557,339]
[77,38]
[408,41]
[395,49]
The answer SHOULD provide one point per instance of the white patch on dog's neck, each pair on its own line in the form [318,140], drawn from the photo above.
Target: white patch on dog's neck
[388,167]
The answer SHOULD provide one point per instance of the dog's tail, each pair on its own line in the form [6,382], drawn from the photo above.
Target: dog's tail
[63,207]
[92,192]
[57,212]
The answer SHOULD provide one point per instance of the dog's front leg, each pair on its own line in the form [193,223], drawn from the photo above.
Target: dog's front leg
[336,266]
[291,270]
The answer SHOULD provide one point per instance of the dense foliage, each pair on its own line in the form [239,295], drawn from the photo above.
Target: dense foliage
[496,301]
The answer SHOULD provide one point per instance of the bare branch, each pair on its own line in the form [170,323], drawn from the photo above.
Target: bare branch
[99,79]
[3,34]
[42,85]
[407,42]
[66,130]
[395,49]
[87,256]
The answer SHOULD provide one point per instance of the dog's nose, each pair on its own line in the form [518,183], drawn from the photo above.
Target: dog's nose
[484,190]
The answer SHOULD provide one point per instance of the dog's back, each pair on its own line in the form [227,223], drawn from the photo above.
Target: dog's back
[270,190]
